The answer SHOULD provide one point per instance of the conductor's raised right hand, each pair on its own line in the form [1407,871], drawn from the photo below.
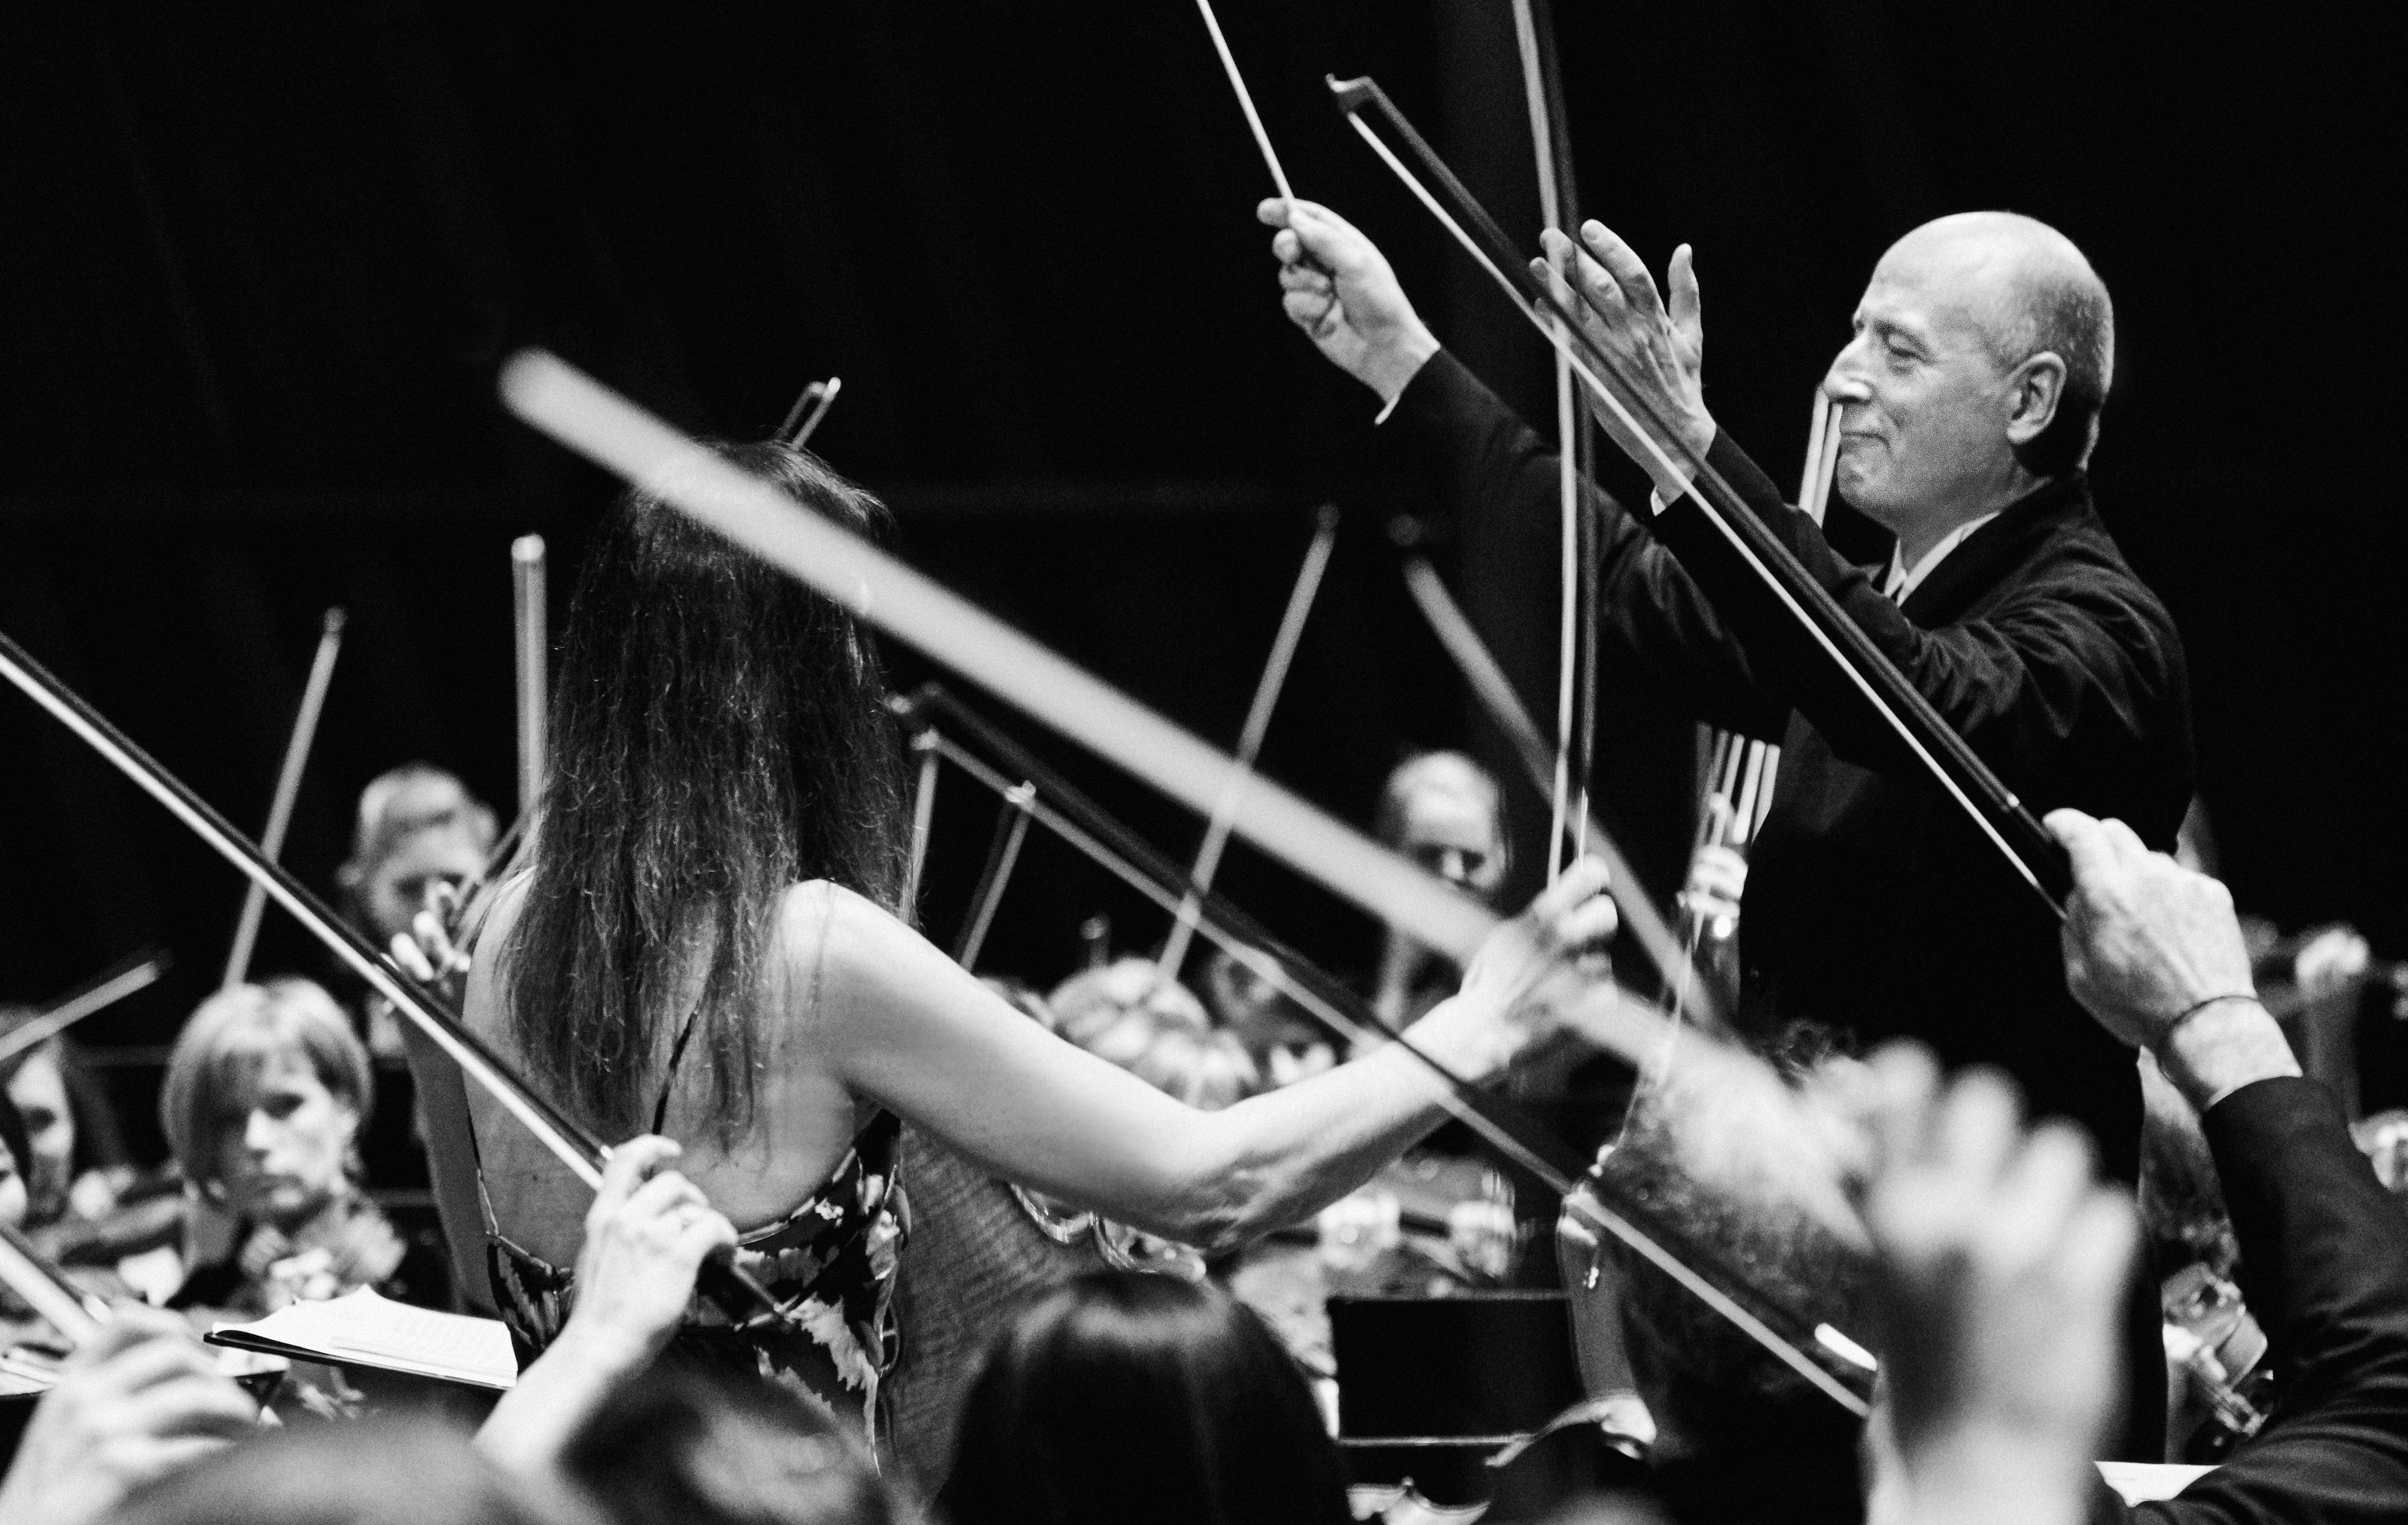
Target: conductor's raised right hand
[1337,287]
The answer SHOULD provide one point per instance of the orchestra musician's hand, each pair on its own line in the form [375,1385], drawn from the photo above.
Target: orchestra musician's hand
[1538,973]
[1999,1266]
[2333,963]
[2155,951]
[1659,353]
[1337,287]
[646,1236]
[141,1401]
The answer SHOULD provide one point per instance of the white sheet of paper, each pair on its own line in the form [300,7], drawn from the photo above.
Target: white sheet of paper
[2141,1482]
[382,1333]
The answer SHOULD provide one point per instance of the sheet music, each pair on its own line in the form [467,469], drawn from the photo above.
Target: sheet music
[2139,1482]
[378,1332]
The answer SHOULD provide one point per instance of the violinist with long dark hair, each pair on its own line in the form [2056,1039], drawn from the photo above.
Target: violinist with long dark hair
[710,943]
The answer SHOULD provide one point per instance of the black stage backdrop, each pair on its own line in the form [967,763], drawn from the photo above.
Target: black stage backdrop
[263,260]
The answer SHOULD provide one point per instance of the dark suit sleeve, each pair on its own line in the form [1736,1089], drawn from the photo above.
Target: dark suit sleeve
[1492,465]
[2055,655]
[2324,1253]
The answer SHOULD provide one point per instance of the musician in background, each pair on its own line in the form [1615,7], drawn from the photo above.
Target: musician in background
[1133,1015]
[90,1208]
[262,1103]
[2316,981]
[1444,812]
[1970,392]
[419,836]
[80,1161]
[15,1149]
[1122,1397]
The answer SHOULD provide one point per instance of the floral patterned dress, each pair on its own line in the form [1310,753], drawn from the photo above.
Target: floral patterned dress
[830,1264]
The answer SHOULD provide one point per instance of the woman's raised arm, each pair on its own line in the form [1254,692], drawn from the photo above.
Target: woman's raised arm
[895,1019]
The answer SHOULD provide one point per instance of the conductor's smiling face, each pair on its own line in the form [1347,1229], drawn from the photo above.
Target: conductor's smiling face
[1925,401]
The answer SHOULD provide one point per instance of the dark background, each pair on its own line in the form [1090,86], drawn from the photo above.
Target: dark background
[262,261]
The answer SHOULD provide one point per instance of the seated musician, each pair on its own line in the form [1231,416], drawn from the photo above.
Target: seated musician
[90,1208]
[1125,1398]
[263,1103]
[1284,1043]
[80,1162]
[1443,811]
[710,942]
[1131,1014]
[419,836]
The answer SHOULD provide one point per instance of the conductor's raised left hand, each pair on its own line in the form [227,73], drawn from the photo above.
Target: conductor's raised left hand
[1658,353]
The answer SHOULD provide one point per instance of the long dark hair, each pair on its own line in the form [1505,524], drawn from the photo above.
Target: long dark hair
[719,734]
[1125,1397]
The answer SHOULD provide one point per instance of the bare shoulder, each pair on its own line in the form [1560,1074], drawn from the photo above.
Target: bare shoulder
[841,950]
[829,929]
[490,926]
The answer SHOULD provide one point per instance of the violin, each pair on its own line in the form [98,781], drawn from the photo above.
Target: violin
[2228,1384]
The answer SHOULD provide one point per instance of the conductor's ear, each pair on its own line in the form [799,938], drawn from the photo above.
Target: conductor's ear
[2034,391]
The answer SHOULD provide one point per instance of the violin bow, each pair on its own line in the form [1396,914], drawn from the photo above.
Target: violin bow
[1250,740]
[1995,810]
[736,1291]
[41,1286]
[613,433]
[1736,792]
[1246,101]
[99,993]
[1576,647]
[288,790]
[532,650]
[1344,1015]
[1495,692]
[803,420]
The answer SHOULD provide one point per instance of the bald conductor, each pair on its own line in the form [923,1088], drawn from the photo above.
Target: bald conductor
[1970,391]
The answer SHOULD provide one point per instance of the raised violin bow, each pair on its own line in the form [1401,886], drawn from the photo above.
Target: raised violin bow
[1250,740]
[97,995]
[1995,810]
[1245,101]
[1489,683]
[803,420]
[288,790]
[531,663]
[735,1291]
[1576,645]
